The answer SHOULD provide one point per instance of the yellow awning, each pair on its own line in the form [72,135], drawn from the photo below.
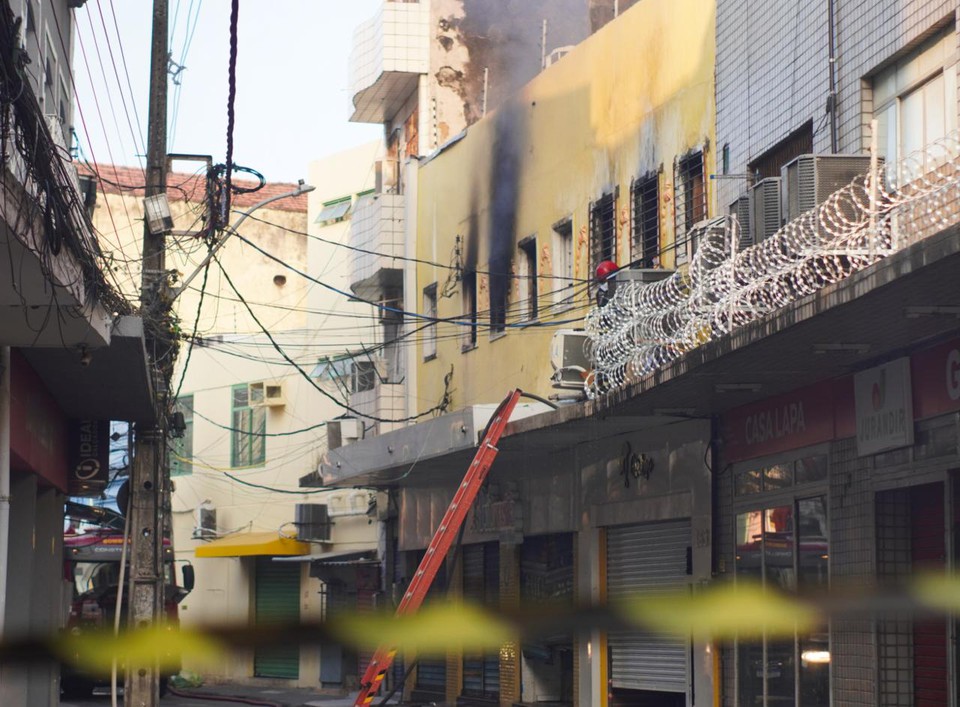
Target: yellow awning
[246,544]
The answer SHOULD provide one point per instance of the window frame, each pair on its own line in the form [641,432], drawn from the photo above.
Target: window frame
[430,309]
[645,246]
[249,421]
[603,227]
[765,510]
[528,278]
[690,203]
[563,280]
[916,62]
[470,313]
[792,495]
[363,376]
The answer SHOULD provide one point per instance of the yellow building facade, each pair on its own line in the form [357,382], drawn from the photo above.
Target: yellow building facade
[605,155]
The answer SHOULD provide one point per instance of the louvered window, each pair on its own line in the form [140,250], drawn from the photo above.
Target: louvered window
[645,204]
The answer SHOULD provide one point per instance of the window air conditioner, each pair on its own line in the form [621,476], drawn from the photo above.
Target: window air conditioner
[809,179]
[263,394]
[205,517]
[765,213]
[741,209]
[569,361]
[343,431]
[312,522]
[643,276]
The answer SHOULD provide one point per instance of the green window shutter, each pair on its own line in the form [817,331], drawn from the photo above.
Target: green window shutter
[248,445]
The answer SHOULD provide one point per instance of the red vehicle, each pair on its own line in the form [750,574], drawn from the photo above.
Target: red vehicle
[92,548]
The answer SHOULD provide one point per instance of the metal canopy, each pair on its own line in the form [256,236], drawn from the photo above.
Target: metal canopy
[114,385]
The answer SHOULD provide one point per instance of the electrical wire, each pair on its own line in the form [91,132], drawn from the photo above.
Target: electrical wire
[397,310]
[306,376]
[231,101]
[455,267]
[288,433]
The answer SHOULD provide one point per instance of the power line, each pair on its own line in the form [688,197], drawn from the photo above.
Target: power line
[231,102]
[306,376]
[397,310]
[421,261]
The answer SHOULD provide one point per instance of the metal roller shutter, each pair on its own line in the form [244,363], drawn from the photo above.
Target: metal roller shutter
[432,670]
[277,599]
[481,579]
[642,559]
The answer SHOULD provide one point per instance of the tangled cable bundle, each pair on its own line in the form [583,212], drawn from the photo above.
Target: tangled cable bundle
[647,325]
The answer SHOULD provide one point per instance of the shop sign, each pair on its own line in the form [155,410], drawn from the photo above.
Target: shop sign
[796,419]
[89,456]
[496,510]
[884,407]
[935,378]
[38,428]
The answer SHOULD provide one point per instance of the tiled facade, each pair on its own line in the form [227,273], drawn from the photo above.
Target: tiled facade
[773,75]
[377,229]
[394,41]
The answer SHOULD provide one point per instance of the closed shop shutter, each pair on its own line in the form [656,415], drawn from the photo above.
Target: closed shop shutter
[642,559]
[277,600]
[481,580]
[368,581]
[432,670]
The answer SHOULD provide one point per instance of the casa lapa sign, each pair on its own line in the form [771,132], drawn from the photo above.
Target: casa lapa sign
[883,399]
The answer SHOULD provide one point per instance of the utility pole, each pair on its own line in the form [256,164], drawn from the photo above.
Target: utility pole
[149,475]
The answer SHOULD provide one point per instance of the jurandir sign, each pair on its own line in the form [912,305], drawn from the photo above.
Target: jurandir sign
[883,398]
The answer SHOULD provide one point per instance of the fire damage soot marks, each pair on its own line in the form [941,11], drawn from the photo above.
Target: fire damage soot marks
[504,38]
[504,196]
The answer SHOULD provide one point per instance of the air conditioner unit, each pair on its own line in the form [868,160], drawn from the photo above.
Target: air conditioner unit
[765,214]
[312,522]
[643,276]
[343,431]
[264,394]
[809,179]
[741,209]
[569,361]
[205,517]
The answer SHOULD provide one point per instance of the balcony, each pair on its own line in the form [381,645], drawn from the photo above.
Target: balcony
[379,392]
[390,52]
[377,229]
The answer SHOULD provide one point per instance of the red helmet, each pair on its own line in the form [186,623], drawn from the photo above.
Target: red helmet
[605,269]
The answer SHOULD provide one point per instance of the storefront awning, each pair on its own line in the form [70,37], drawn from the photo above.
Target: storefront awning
[249,544]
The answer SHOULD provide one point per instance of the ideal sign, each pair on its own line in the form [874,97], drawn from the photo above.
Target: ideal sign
[89,458]
[883,399]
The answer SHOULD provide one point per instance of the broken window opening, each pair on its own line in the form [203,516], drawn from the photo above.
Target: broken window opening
[603,229]
[645,200]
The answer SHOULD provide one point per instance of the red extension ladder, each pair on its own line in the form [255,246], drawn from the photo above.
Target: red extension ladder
[440,544]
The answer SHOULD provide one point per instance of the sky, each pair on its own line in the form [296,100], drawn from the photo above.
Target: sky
[292,100]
